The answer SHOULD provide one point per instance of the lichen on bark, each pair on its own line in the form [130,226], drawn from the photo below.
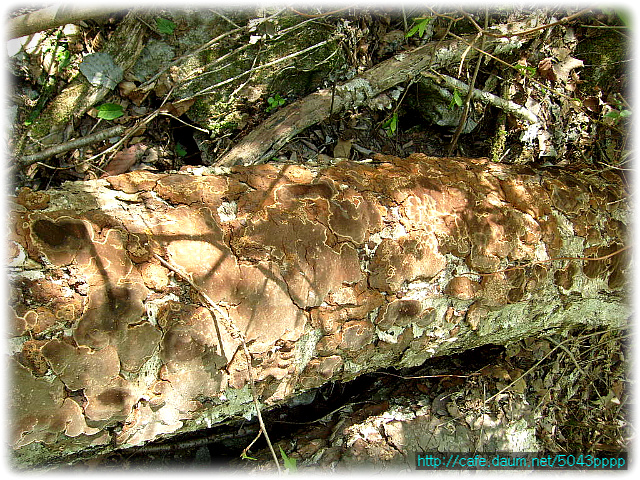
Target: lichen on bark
[329,272]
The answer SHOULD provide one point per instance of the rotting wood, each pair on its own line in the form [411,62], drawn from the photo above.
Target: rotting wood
[124,46]
[265,140]
[328,272]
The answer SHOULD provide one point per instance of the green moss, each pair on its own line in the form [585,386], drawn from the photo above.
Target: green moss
[603,54]
[60,111]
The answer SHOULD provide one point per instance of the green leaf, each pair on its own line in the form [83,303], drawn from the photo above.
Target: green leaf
[456,100]
[110,111]
[289,463]
[419,26]
[180,151]
[64,58]
[423,26]
[165,26]
[412,31]
[624,16]
[391,124]
[275,102]
[244,456]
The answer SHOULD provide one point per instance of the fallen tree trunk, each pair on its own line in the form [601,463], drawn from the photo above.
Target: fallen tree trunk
[329,273]
[265,140]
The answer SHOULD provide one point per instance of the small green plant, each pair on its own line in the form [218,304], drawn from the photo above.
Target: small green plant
[526,70]
[64,58]
[244,456]
[275,102]
[165,26]
[180,150]
[419,26]
[391,124]
[619,111]
[110,111]
[617,115]
[456,100]
[289,463]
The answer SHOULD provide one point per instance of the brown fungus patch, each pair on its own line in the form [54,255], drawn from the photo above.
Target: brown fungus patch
[462,288]
[32,200]
[356,334]
[60,240]
[81,367]
[136,181]
[353,215]
[408,259]
[109,311]
[320,370]
[111,401]
[137,345]
[40,412]
[399,313]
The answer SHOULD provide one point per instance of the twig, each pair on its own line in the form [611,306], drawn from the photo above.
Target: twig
[227,19]
[490,98]
[259,67]
[52,17]
[27,160]
[235,332]
[202,47]
[562,21]
[470,90]
[558,345]
[506,64]
[538,262]
[307,15]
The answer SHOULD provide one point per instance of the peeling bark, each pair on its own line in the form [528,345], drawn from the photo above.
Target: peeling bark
[329,273]
[265,140]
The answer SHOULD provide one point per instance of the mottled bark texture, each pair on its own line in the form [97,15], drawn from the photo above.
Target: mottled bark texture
[330,273]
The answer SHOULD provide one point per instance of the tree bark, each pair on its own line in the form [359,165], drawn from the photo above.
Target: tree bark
[328,272]
[52,17]
[264,141]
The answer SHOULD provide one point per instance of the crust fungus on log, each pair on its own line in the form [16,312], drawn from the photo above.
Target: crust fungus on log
[330,272]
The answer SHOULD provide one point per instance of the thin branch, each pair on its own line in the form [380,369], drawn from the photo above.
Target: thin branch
[259,67]
[470,90]
[52,17]
[506,105]
[562,21]
[539,262]
[202,47]
[27,160]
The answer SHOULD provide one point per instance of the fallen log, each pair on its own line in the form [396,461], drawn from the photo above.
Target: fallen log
[328,272]
[276,131]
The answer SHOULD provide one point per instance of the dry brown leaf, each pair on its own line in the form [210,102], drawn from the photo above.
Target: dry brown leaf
[124,160]
[342,149]
[545,69]
[563,68]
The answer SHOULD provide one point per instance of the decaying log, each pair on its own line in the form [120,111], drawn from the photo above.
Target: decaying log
[264,141]
[329,273]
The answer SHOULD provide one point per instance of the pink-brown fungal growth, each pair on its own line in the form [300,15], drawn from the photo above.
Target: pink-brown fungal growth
[327,272]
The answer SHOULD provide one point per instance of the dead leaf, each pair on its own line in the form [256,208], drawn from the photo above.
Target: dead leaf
[495,371]
[342,149]
[563,68]
[124,160]
[177,108]
[545,69]
[180,108]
